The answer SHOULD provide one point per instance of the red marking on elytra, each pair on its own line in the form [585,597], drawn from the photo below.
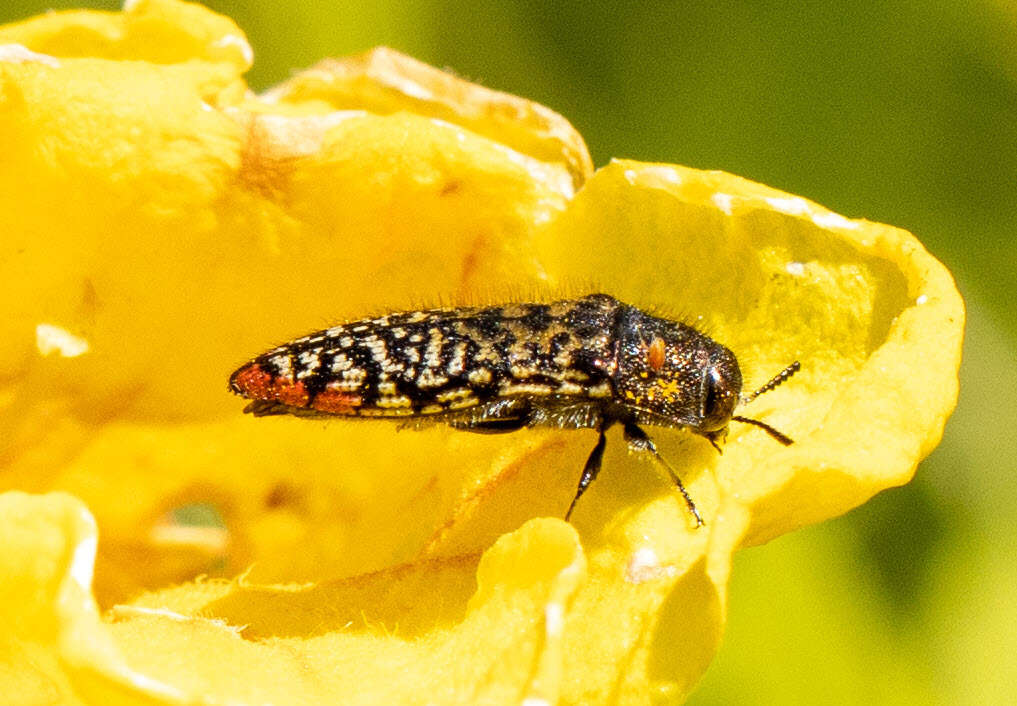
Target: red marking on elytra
[256,384]
[253,383]
[292,393]
[336,402]
[656,355]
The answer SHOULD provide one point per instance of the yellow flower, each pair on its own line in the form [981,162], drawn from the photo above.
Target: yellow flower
[162,225]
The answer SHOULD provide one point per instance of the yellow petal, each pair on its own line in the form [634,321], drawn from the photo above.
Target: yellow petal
[384,81]
[416,632]
[54,647]
[157,31]
[165,226]
[187,229]
[875,320]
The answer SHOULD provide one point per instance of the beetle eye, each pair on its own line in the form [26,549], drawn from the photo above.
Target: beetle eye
[712,399]
[718,400]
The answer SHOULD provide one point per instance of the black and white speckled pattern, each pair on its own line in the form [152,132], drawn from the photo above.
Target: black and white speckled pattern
[575,363]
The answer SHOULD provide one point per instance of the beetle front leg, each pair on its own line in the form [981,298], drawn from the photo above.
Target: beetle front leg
[639,441]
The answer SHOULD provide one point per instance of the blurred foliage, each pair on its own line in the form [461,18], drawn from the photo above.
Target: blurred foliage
[898,111]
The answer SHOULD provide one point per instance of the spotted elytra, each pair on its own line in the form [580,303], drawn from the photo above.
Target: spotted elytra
[587,363]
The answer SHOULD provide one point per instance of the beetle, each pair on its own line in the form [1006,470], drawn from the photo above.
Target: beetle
[586,363]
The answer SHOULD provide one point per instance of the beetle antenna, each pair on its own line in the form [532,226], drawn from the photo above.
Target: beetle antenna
[777,379]
[782,438]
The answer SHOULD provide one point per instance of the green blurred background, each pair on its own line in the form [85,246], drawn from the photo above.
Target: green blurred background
[896,111]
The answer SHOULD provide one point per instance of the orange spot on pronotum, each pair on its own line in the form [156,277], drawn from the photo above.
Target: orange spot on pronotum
[656,354]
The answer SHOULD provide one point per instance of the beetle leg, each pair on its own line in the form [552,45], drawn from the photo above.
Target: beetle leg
[590,470]
[497,417]
[639,441]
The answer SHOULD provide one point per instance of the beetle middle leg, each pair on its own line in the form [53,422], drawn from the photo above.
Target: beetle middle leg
[591,469]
